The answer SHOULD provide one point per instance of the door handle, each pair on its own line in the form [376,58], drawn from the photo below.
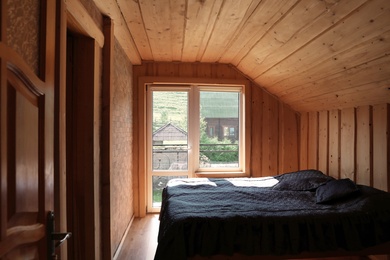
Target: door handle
[54,239]
[60,238]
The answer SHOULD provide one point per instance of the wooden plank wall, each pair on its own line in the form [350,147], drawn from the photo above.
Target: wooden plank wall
[349,143]
[274,126]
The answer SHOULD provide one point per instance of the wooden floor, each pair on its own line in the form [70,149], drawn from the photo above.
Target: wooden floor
[141,241]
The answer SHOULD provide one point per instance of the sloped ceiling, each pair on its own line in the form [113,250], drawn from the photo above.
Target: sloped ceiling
[312,54]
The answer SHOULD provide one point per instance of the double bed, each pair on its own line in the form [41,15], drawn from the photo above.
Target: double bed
[293,214]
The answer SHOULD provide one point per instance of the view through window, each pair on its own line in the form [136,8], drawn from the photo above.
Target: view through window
[193,129]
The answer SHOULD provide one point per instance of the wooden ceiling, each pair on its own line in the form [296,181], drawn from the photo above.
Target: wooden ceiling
[312,54]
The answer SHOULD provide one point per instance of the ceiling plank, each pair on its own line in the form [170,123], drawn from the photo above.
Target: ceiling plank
[364,23]
[177,19]
[368,74]
[200,17]
[228,21]
[257,25]
[121,31]
[133,17]
[303,24]
[156,16]
[352,58]
[370,94]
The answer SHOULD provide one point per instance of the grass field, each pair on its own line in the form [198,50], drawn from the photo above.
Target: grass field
[171,107]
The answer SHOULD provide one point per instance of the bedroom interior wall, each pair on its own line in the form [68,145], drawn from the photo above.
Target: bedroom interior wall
[350,143]
[274,147]
[122,140]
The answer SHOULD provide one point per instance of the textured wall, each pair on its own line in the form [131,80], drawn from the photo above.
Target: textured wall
[122,141]
[23,30]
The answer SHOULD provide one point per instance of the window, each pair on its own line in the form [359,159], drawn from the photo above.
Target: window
[193,130]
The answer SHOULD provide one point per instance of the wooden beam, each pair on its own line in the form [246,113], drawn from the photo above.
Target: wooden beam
[110,8]
[80,21]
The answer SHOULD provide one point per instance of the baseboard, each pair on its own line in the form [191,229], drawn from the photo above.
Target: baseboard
[118,250]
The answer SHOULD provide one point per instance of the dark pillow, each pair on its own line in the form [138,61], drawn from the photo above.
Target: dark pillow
[304,180]
[335,189]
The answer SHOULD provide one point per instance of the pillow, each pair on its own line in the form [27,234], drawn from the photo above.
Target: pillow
[335,189]
[305,180]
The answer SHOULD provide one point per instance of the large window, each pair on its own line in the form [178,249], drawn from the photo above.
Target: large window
[193,130]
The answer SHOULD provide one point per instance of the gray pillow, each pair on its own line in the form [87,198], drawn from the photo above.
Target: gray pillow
[335,190]
[304,180]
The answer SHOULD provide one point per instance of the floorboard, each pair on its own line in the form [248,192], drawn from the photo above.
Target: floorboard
[141,240]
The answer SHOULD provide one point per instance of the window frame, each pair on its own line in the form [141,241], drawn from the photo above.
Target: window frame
[143,82]
[198,88]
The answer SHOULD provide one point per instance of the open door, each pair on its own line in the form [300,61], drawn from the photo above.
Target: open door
[27,143]
[27,174]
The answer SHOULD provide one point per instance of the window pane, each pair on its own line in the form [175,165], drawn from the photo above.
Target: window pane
[170,123]
[159,183]
[219,111]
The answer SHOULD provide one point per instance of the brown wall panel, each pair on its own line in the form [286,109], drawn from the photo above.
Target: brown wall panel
[364,145]
[380,124]
[323,141]
[274,126]
[347,145]
[353,143]
[334,143]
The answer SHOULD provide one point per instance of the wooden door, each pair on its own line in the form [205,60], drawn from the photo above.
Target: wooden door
[27,185]
[27,132]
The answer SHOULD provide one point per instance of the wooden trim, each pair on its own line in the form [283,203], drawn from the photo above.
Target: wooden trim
[123,239]
[106,141]
[122,34]
[81,22]
[3,147]
[83,182]
[60,126]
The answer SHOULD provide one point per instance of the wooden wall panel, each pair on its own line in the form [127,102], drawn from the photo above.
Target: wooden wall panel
[352,143]
[288,147]
[303,145]
[274,126]
[323,144]
[380,120]
[270,137]
[363,145]
[334,142]
[257,119]
[312,161]
[347,144]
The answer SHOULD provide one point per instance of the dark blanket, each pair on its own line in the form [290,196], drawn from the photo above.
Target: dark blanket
[260,216]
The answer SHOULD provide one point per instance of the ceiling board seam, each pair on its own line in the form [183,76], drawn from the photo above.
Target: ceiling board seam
[366,63]
[338,72]
[128,30]
[242,24]
[312,40]
[184,29]
[212,31]
[269,29]
[291,37]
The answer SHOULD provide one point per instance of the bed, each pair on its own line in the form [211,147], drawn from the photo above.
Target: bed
[292,214]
